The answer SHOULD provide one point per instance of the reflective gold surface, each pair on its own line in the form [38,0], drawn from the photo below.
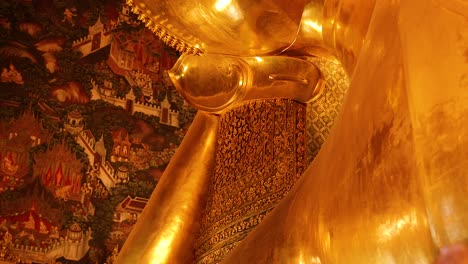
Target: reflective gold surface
[333,29]
[310,39]
[345,25]
[165,232]
[232,80]
[225,26]
[389,184]
[437,81]
[395,191]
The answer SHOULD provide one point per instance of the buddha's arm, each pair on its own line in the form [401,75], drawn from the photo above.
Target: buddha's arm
[167,228]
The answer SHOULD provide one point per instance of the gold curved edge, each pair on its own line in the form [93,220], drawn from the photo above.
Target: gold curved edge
[169,37]
[345,25]
[216,102]
[166,230]
[318,90]
[283,77]
[232,80]
[310,37]
[223,26]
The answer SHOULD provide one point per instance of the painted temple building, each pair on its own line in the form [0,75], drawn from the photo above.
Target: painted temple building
[35,235]
[136,57]
[97,152]
[99,36]
[122,145]
[125,215]
[129,209]
[72,246]
[164,110]
[74,122]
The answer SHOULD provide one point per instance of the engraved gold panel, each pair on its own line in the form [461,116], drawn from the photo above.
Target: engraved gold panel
[260,154]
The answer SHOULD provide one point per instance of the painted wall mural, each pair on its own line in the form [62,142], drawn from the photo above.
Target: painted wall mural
[88,123]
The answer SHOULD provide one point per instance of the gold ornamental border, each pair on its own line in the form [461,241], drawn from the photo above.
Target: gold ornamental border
[169,38]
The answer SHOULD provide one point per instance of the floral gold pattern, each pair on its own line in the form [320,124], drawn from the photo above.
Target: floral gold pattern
[260,154]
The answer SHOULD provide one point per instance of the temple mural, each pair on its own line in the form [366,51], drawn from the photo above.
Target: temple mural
[88,123]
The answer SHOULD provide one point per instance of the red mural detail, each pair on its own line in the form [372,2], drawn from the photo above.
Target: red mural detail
[59,176]
[59,169]
[47,177]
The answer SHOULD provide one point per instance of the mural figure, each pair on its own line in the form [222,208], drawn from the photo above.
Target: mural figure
[69,14]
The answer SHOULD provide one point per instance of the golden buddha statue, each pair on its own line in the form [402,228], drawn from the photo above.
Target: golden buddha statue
[389,183]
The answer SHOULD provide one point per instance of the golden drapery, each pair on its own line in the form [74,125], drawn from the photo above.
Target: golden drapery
[389,183]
